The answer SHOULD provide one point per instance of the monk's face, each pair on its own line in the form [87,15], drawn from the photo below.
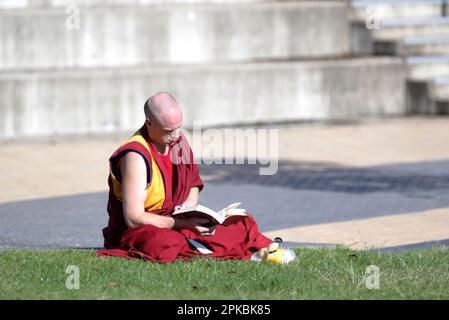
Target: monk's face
[165,131]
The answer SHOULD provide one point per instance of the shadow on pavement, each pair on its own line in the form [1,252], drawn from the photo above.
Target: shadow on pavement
[300,194]
[409,178]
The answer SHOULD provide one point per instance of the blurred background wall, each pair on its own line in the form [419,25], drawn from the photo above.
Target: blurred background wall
[87,66]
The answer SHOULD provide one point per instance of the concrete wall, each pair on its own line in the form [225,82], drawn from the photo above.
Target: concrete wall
[105,100]
[25,4]
[167,34]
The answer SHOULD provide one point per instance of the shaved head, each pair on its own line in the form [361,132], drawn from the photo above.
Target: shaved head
[163,108]
[164,116]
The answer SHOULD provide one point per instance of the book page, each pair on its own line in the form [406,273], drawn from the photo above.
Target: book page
[200,210]
[233,210]
[220,216]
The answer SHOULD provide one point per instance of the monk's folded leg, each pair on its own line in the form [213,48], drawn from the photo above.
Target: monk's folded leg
[238,238]
[155,244]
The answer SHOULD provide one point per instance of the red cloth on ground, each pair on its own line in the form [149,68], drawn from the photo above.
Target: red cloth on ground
[238,238]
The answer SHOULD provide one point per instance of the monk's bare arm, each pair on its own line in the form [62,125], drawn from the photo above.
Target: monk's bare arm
[134,183]
[193,198]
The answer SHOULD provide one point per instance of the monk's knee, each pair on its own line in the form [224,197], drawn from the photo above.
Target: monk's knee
[152,240]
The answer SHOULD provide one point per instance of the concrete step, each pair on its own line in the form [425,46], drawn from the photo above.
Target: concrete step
[428,97]
[389,9]
[427,67]
[363,38]
[172,34]
[414,46]
[82,101]
[398,28]
[440,88]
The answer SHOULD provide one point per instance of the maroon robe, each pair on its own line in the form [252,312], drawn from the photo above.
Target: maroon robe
[237,238]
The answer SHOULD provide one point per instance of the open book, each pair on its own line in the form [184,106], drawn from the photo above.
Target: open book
[214,217]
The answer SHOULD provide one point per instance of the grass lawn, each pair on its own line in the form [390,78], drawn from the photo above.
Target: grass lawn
[316,274]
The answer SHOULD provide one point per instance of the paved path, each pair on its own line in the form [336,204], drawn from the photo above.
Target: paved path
[372,184]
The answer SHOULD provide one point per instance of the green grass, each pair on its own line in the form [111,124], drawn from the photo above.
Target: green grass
[316,274]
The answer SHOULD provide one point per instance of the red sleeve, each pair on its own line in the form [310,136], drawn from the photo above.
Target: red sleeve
[194,171]
[196,180]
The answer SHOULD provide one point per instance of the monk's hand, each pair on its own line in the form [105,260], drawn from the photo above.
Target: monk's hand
[187,204]
[195,224]
[207,231]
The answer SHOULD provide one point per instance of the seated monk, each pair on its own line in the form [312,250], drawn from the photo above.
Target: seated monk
[149,177]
